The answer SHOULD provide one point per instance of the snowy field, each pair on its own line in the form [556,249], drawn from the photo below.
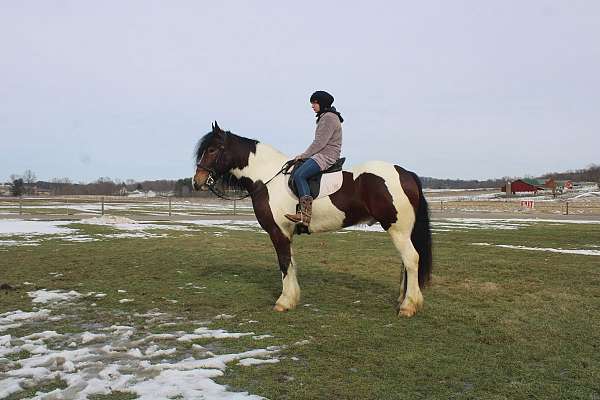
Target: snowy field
[122,358]
[114,307]
[17,232]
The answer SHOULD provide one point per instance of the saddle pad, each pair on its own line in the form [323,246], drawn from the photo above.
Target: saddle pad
[331,182]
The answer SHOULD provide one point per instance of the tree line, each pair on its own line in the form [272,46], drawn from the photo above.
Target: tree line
[589,174]
[27,184]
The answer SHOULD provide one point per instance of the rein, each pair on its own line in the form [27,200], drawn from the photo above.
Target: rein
[211,181]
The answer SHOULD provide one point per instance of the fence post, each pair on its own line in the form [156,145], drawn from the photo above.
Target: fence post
[441,205]
[102,205]
[20,205]
[234,206]
[169,206]
[67,205]
[567,208]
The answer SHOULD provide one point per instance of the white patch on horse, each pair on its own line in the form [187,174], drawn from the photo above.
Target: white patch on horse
[325,216]
[263,165]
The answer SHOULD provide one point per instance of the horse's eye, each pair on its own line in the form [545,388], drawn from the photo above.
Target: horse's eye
[211,150]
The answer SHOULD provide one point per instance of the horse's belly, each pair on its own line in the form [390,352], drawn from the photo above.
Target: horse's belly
[325,216]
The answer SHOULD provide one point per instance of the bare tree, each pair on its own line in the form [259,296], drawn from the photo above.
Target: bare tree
[29,180]
[29,177]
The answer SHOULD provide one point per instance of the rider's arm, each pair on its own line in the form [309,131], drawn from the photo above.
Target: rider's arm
[323,133]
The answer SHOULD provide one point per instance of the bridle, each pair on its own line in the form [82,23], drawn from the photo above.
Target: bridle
[214,176]
[211,180]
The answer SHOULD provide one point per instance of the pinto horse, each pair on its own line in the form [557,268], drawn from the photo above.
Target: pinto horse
[373,192]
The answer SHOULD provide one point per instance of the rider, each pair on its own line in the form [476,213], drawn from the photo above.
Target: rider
[321,154]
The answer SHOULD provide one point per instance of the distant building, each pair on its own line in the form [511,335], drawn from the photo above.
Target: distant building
[139,193]
[4,190]
[525,185]
[558,186]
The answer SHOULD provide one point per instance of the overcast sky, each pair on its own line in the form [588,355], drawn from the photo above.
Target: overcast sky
[449,89]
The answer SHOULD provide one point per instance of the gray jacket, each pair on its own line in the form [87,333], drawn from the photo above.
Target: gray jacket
[327,146]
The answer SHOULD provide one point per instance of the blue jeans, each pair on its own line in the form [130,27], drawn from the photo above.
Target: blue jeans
[302,173]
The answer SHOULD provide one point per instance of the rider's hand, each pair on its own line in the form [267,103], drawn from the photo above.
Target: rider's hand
[297,158]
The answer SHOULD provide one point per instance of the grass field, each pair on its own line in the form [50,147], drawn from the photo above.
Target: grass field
[498,323]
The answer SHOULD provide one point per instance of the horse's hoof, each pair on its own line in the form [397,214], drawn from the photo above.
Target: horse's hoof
[279,308]
[407,311]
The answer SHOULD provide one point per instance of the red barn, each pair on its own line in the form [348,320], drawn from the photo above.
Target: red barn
[524,185]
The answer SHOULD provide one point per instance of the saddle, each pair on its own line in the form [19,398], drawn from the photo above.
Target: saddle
[314,182]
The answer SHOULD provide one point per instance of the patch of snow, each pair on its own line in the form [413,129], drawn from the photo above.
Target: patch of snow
[365,228]
[256,361]
[586,195]
[224,316]
[88,337]
[45,335]
[14,319]
[33,227]
[45,296]
[79,238]
[238,225]
[125,301]
[29,242]
[108,220]
[133,235]
[261,337]
[548,249]
[204,333]
[115,364]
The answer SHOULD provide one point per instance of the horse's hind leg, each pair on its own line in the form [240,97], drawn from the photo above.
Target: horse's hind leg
[411,299]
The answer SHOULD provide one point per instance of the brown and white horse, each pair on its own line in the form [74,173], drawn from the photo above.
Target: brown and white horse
[375,191]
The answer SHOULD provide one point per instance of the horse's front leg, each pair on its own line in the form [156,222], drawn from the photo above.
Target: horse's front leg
[290,295]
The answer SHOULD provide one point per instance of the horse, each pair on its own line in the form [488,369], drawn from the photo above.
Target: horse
[372,192]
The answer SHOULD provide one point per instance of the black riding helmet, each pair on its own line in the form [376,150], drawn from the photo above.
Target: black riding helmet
[325,101]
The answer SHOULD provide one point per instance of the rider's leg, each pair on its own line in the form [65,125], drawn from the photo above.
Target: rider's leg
[301,176]
[303,173]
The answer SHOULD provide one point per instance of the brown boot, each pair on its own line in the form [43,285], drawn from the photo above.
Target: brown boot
[306,209]
[303,217]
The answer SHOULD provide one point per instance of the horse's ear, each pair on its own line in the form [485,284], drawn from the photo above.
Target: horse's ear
[216,127]
[212,126]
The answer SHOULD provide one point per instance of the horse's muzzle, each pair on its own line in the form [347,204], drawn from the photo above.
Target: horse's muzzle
[196,186]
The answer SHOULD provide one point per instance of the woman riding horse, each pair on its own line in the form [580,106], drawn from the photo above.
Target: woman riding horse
[323,152]
[374,191]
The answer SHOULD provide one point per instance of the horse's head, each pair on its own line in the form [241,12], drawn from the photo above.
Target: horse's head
[212,159]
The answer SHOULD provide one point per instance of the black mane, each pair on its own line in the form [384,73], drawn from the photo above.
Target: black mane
[232,140]
[202,145]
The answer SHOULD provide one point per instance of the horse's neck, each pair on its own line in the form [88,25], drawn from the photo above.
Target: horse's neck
[262,165]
